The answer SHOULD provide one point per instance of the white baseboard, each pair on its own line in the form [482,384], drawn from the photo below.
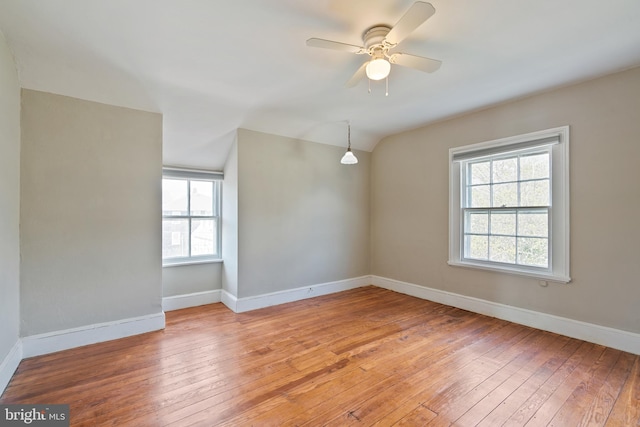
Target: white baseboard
[50,342]
[9,365]
[610,337]
[240,305]
[191,300]
[229,300]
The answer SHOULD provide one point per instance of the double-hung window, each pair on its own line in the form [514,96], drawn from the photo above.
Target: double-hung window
[190,216]
[509,205]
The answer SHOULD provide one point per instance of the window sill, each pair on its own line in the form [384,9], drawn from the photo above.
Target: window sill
[191,262]
[532,274]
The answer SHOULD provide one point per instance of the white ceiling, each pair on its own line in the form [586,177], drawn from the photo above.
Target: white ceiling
[212,66]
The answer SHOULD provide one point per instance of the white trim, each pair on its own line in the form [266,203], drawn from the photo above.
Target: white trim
[9,365]
[193,262]
[240,305]
[603,335]
[230,300]
[36,345]
[507,270]
[195,299]
[560,132]
[180,172]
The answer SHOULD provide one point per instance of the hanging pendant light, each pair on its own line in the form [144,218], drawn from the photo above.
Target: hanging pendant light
[349,158]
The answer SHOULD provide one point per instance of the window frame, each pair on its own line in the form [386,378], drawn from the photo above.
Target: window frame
[557,139]
[190,175]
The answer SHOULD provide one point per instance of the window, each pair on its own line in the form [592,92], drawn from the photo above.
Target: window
[509,205]
[190,216]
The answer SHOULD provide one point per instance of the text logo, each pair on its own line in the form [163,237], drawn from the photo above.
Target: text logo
[34,415]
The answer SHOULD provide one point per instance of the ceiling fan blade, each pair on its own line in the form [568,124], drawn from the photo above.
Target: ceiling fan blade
[416,15]
[328,44]
[357,76]
[421,63]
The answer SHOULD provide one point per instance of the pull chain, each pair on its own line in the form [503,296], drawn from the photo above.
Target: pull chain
[386,81]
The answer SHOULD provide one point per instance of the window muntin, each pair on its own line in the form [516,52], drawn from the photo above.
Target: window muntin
[190,217]
[509,205]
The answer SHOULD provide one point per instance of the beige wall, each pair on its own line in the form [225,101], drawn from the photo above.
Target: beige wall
[90,215]
[191,278]
[303,218]
[9,203]
[230,223]
[410,202]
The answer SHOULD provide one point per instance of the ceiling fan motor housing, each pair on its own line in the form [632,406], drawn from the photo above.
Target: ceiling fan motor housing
[374,37]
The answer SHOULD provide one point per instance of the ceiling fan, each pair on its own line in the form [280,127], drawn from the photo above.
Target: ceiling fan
[380,40]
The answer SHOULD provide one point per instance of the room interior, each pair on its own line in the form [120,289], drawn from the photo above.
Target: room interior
[98,96]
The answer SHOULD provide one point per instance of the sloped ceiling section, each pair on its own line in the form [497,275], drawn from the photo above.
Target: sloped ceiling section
[211,67]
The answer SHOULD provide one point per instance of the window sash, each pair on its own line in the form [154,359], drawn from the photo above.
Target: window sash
[189,238]
[518,237]
[466,177]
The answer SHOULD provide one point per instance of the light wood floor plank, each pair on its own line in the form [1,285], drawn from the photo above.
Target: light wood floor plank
[577,405]
[626,410]
[602,403]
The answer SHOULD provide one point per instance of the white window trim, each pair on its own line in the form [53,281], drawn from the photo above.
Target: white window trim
[559,221]
[196,174]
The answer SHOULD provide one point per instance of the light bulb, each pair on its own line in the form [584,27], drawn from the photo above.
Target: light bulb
[378,69]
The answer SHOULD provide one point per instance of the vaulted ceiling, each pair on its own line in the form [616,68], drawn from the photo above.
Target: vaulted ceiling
[211,67]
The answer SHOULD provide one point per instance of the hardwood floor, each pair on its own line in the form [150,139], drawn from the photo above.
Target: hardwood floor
[363,357]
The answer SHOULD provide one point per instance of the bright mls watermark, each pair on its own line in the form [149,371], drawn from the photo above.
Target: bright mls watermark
[34,415]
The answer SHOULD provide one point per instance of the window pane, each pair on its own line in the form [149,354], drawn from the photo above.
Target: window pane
[203,237]
[174,197]
[533,224]
[502,249]
[201,198]
[535,166]
[477,222]
[534,252]
[175,238]
[505,170]
[503,223]
[480,173]
[479,196]
[505,195]
[476,247]
[534,193]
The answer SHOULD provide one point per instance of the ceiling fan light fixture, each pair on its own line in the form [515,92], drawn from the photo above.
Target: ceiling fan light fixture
[378,69]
